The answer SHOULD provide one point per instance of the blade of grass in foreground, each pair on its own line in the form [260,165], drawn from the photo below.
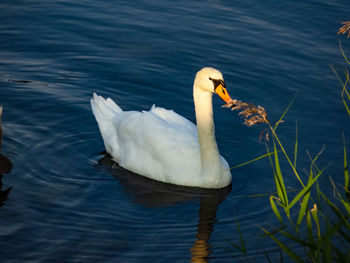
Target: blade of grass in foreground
[275,209]
[346,171]
[273,130]
[281,189]
[337,194]
[270,159]
[267,256]
[327,254]
[286,155]
[242,246]
[244,250]
[342,51]
[305,190]
[336,210]
[303,207]
[296,146]
[309,229]
[314,214]
[294,238]
[251,161]
[345,91]
[308,186]
[287,250]
[284,113]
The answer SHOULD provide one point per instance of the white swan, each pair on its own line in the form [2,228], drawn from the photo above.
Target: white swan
[164,146]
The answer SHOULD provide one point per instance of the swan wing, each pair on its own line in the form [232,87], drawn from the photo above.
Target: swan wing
[161,149]
[175,120]
[159,143]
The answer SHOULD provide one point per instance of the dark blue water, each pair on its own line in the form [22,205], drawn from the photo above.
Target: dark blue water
[67,204]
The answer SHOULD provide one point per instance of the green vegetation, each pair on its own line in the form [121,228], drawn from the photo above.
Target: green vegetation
[310,220]
[319,226]
[344,83]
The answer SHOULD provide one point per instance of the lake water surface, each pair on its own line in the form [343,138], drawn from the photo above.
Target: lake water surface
[68,203]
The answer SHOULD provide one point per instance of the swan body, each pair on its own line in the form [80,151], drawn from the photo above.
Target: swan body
[161,144]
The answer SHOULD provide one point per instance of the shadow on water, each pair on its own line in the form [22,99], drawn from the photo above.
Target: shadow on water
[152,193]
[5,167]
[3,194]
[5,164]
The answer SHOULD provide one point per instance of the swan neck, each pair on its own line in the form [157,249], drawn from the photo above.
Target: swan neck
[210,157]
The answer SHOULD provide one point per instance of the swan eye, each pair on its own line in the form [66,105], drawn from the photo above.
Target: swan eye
[217,83]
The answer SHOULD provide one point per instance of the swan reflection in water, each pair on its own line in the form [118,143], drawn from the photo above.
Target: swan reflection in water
[152,193]
[5,167]
[3,194]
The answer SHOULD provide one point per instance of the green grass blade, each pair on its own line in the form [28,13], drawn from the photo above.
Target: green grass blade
[275,209]
[281,189]
[284,113]
[296,146]
[314,214]
[346,170]
[253,160]
[345,203]
[260,195]
[242,246]
[342,51]
[287,250]
[313,161]
[315,217]
[311,181]
[327,248]
[270,159]
[286,155]
[344,89]
[336,210]
[327,238]
[267,256]
[345,92]
[337,75]
[294,238]
[244,250]
[346,206]
[305,201]
[303,208]
[309,229]
[236,246]
[305,190]
[346,106]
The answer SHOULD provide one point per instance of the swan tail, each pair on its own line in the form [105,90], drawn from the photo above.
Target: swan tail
[105,112]
[106,108]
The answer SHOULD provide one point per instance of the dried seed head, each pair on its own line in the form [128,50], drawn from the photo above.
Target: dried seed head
[345,29]
[251,114]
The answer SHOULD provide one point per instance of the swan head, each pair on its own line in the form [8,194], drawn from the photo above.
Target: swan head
[211,80]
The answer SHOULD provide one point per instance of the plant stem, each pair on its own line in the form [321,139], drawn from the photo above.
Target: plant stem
[285,153]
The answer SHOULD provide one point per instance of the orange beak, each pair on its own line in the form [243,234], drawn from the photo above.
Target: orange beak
[222,92]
